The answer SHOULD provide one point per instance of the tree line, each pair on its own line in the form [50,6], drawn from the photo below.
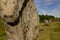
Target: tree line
[47,17]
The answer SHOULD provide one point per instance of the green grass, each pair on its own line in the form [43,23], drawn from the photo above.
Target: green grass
[2,31]
[50,32]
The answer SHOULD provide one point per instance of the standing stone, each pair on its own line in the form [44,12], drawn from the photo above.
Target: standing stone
[46,22]
[20,19]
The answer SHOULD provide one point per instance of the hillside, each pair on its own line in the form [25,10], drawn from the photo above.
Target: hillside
[2,31]
[50,32]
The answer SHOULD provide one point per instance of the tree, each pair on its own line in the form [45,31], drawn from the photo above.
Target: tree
[20,19]
[47,17]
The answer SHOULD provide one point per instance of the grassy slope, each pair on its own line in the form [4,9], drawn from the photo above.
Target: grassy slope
[51,32]
[2,31]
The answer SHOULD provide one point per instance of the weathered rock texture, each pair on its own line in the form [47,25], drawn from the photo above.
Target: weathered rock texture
[20,18]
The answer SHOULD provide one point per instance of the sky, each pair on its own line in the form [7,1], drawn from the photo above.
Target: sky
[48,7]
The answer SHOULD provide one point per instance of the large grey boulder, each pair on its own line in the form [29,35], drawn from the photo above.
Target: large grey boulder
[20,19]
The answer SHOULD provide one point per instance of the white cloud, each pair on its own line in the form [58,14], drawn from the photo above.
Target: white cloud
[57,0]
[48,3]
[55,12]
[51,0]
[48,0]
[44,12]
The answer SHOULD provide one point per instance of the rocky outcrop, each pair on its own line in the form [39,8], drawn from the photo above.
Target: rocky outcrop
[20,18]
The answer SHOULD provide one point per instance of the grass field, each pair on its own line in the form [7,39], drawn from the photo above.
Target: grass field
[50,32]
[2,31]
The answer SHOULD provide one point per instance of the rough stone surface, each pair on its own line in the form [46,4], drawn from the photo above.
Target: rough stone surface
[20,18]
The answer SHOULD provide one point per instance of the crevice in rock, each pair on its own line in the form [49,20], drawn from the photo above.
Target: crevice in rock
[23,7]
[20,14]
[13,23]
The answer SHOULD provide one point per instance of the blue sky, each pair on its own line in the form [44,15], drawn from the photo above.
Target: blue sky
[49,7]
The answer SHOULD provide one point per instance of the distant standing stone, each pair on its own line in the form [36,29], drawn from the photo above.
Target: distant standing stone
[46,22]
